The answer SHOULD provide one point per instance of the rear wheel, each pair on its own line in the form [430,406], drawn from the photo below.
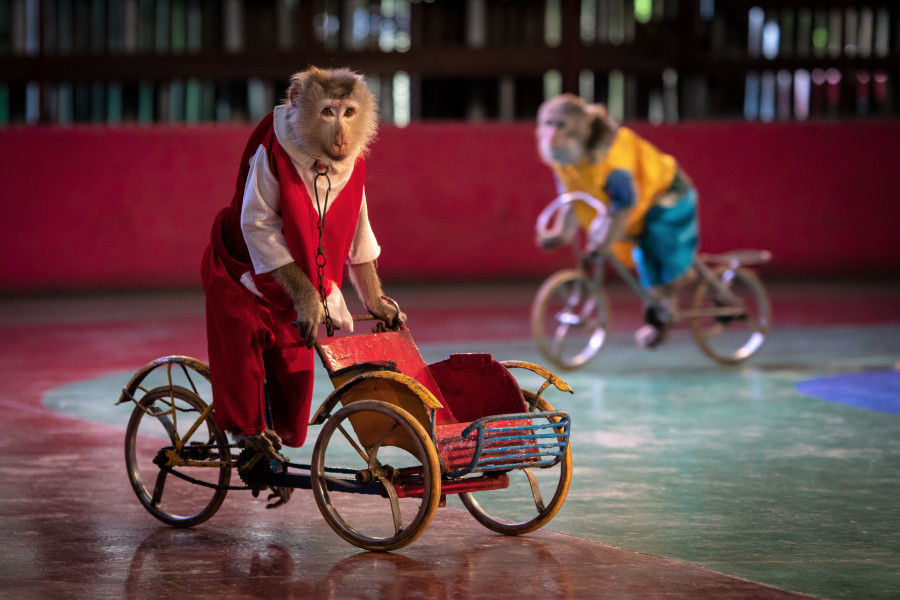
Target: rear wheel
[570,318]
[533,497]
[162,419]
[730,328]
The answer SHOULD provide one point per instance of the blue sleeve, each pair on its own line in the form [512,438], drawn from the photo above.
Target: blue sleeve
[620,189]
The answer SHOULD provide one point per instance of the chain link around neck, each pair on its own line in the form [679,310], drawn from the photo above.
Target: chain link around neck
[322,171]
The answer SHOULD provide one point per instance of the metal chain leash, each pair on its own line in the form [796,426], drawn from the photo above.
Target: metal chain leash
[322,171]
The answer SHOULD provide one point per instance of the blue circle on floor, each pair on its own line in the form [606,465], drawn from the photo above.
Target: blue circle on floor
[877,390]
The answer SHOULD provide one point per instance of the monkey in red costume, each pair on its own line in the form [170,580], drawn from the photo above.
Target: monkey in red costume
[301,177]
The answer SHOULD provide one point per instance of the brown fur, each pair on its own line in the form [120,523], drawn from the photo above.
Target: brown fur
[297,285]
[313,85]
[305,297]
[589,122]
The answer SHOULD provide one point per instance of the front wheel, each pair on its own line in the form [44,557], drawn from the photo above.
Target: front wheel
[570,318]
[730,327]
[382,451]
[533,497]
[166,418]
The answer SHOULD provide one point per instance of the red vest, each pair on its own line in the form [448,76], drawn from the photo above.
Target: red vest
[299,219]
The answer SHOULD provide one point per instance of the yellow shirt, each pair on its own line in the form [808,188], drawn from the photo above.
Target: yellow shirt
[653,172]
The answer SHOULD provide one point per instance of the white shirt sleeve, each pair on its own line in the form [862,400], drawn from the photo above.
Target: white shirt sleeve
[261,221]
[364,247]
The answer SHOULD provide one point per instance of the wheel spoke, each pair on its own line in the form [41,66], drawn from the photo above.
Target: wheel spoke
[373,461]
[353,443]
[386,482]
[559,337]
[587,309]
[339,483]
[159,487]
[187,375]
[395,503]
[535,490]
[164,421]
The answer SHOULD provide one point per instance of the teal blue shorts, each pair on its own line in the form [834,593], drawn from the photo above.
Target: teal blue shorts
[669,243]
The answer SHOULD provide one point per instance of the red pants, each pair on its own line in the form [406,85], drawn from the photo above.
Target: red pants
[252,344]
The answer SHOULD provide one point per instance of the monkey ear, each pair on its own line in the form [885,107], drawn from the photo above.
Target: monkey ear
[595,133]
[600,135]
[295,91]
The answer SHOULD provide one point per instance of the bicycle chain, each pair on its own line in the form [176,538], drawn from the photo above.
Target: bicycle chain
[217,486]
[200,482]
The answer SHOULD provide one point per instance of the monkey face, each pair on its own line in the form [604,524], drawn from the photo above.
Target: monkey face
[338,120]
[333,115]
[561,134]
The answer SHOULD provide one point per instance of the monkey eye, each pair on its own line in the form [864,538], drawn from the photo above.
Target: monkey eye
[349,112]
[326,112]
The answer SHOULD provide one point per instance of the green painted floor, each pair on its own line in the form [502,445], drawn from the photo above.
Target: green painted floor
[727,468]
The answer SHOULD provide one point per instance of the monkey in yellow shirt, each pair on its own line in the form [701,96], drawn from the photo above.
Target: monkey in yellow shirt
[651,201]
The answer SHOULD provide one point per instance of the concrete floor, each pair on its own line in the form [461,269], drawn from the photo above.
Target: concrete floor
[691,481]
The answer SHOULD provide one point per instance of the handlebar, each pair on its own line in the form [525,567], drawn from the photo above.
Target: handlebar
[557,210]
[370,317]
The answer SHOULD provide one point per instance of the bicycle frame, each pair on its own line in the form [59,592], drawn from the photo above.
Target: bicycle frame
[594,267]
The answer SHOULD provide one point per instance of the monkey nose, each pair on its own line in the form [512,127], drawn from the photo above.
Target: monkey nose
[337,151]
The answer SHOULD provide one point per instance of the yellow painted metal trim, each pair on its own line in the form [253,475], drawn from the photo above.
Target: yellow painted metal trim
[185,361]
[179,444]
[545,373]
[414,386]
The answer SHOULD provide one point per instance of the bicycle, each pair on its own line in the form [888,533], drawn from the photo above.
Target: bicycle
[728,307]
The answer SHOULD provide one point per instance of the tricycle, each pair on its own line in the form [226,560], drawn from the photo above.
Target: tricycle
[403,433]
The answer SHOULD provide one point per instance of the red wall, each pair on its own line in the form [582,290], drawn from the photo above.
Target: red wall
[130,207]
